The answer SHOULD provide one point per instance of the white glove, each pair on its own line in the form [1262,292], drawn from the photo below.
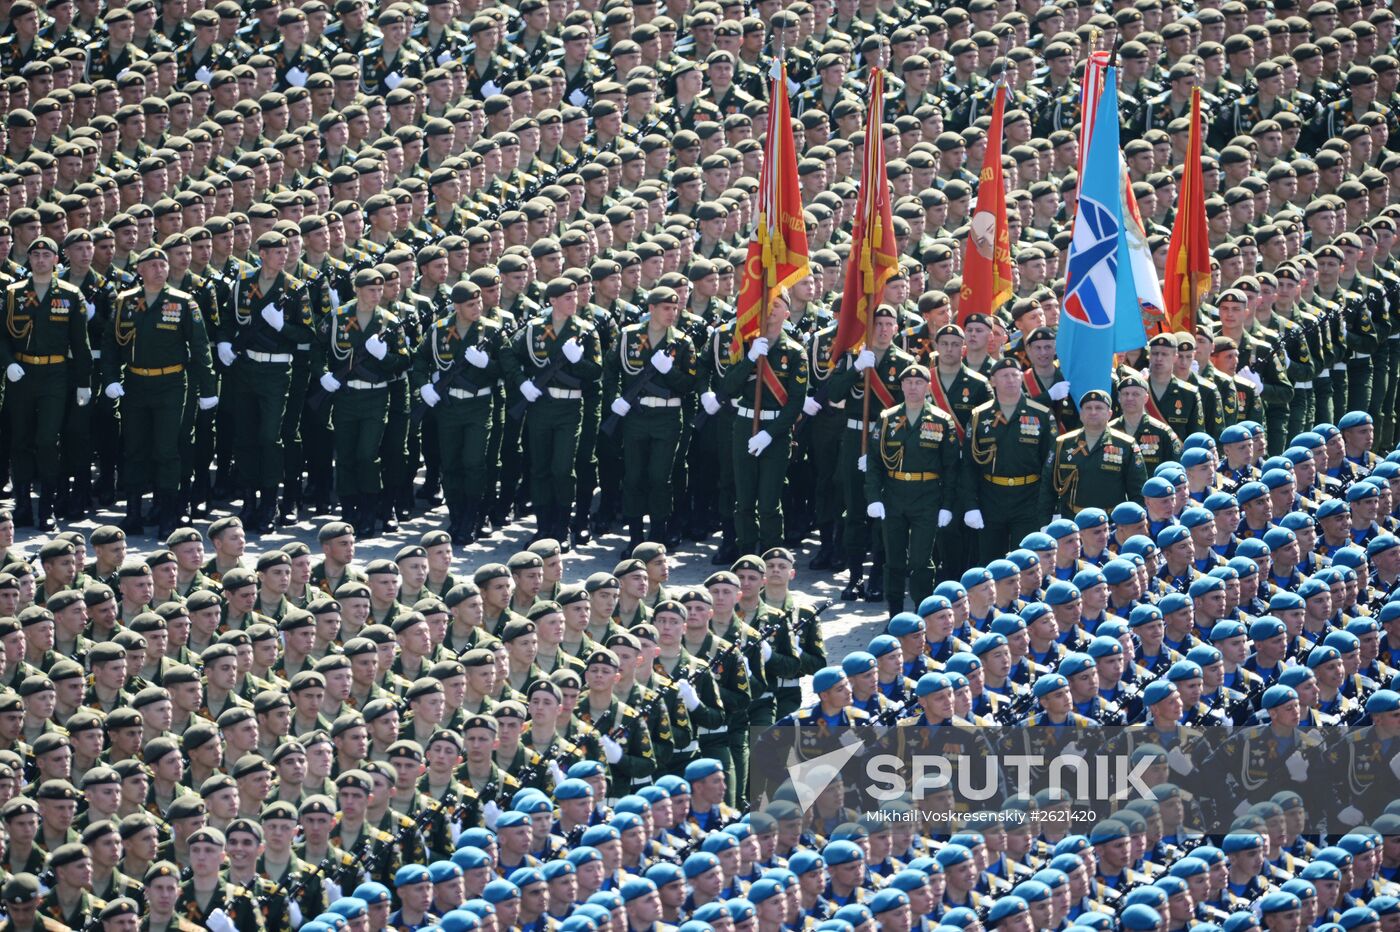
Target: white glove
[91,310]
[865,360]
[294,913]
[688,694]
[330,383]
[811,407]
[861,462]
[218,921]
[759,442]
[765,651]
[973,519]
[1242,808]
[528,389]
[490,813]
[759,349]
[945,517]
[226,353]
[429,395]
[208,404]
[710,403]
[1178,761]
[1395,764]
[477,357]
[1350,816]
[84,396]
[572,351]
[875,510]
[556,773]
[274,317]
[114,391]
[14,372]
[662,361]
[620,407]
[1250,376]
[376,347]
[612,751]
[1059,391]
[1297,767]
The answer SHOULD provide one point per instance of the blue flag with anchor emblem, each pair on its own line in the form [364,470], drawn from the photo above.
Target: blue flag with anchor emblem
[1100,314]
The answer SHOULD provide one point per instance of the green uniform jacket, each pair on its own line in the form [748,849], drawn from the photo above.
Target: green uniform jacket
[167,332]
[54,326]
[998,447]
[247,330]
[1101,476]
[926,444]
[789,364]
[534,345]
[629,362]
[340,347]
[443,347]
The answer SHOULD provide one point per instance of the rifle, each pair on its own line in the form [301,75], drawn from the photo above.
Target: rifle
[291,890]
[542,381]
[891,715]
[449,381]
[630,396]
[317,396]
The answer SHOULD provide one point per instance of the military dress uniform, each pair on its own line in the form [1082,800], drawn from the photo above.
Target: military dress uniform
[913,472]
[237,902]
[1004,463]
[651,426]
[1081,476]
[154,347]
[47,338]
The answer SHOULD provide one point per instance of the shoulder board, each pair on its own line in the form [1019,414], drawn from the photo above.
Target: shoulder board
[805,713]
[891,412]
[177,293]
[247,273]
[984,406]
[857,714]
[383,837]
[405,821]
[294,282]
[629,712]
[508,780]
[1036,406]
[390,317]
[235,890]
[128,293]
[1121,436]
[446,322]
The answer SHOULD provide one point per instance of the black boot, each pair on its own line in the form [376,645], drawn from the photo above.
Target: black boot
[79,497]
[725,554]
[168,513]
[250,507]
[385,512]
[635,536]
[668,532]
[266,517]
[198,501]
[43,517]
[132,522]
[428,492]
[367,518]
[855,589]
[464,521]
[875,588]
[24,505]
[824,558]
[291,502]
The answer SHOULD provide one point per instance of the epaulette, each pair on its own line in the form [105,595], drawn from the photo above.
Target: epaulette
[629,712]
[390,316]
[510,781]
[385,837]
[804,713]
[857,714]
[1036,406]
[662,681]
[404,821]
[1121,436]
[293,282]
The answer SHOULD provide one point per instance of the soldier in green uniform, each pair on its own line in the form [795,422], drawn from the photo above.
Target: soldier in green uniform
[1156,441]
[876,369]
[44,349]
[911,475]
[70,900]
[21,895]
[645,381]
[156,343]
[1298,329]
[772,372]
[359,350]
[206,893]
[1009,440]
[549,363]
[1094,466]
[1259,361]
[455,369]
[622,732]
[271,318]
[1169,399]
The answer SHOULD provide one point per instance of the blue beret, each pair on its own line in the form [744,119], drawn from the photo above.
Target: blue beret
[1225,629]
[963,662]
[1005,907]
[1198,439]
[1194,457]
[596,835]
[1235,842]
[1235,433]
[1295,676]
[1072,664]
[1344,641]
[764,889]
[1385,905]
[1049,683]
[1219,501]
[1060,592]
[837,853]
[886,900]
[661,873]
[410,874]
[904,623]
[1356,843]
[934,603]
[1157,487]
[1382,700]
[1126,513]
[1276,696]
[1002,569]
[1105,647]
[1061,528]
[1243,566]
[1007,624]
[1116,572]
[511,818]
[1308,440]
[1157,690]
[975,577]
[950,855]
[584,769]
[1358,916]
[1381,543]
[1362,626]
[1389,612]
[441,871]
[1038,540]
[1252,548]
[698,863]
[907,880]
[1203,655]
[632,803]
[718,842]
[1189,867]
[1322,654]
[1196,516]
[524,877]
[988,642]
[1354,419]
[855,914]
[1313,586]
[804,861]
[1140,918]
[1144,614]
[1276,479]
[950,589]
[740,909]
[1204,585]
[879,646]
[1033,611]
[1330,509]
[1387,469]
[373,893]
[624,821]
[1088,578]
[1285,601]
[1183,670]
[822,680]
[351,907]
[559,867]
[1170,885]
[1139,545]
[1090,518]
[459,920]
[1174,602]
[1023,558]
[1349,556]
[856,663]
[1278,901]
[1263,628]
[1296,521]
[931,683]
[1171,535]
[573,788]
[1250,491]
[1112,628]
[636,888]
[1032,891]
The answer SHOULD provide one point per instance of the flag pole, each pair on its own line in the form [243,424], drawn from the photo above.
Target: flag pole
[876,123]
[770,273]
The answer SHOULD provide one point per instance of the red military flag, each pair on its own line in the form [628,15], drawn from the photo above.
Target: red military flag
[987,259]
[1188,253]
